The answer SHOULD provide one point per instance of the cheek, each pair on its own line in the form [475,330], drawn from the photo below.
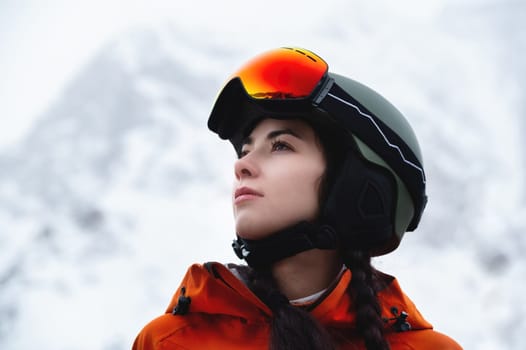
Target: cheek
[300,191]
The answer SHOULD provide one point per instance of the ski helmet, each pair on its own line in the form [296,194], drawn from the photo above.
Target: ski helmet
[379,193]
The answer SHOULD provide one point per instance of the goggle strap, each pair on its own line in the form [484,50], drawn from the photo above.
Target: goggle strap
[324,90]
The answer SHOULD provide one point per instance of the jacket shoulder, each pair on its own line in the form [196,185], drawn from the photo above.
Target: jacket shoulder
[157,330]
[198,331]
[166,326]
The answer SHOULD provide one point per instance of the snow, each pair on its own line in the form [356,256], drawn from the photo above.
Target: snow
[118,186]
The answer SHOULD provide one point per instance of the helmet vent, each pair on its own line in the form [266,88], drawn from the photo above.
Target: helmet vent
[371,204]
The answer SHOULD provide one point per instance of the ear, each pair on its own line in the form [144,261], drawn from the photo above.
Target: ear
[360,206]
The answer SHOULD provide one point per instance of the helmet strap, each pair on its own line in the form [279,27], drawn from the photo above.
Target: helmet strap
[285,243]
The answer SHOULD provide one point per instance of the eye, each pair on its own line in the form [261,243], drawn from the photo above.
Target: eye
[278,145]
[242,153]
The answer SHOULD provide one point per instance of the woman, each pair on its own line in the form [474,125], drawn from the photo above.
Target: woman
[329,174]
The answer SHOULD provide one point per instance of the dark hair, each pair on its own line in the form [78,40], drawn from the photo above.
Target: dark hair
[365,283]
[295,328]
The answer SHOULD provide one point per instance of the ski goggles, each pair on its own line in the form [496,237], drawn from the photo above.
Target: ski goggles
[288,82]
[283,81]
[283,74]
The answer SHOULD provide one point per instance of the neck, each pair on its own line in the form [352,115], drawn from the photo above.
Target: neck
[306,273]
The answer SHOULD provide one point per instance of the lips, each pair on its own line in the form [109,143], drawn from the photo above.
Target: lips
[245,193]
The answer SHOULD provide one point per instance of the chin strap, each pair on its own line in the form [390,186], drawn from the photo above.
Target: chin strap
[285,243]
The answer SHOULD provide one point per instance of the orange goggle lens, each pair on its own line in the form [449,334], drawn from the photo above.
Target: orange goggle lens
[284,73]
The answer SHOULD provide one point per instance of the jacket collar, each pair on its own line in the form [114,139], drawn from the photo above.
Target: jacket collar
[215,290]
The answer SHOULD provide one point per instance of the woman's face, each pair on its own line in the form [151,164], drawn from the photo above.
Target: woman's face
[277,178]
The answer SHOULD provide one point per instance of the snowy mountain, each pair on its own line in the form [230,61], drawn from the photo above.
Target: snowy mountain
[106,173]
[120,186]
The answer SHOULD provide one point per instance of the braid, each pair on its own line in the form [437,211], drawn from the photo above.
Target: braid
[292,327]
[363,289]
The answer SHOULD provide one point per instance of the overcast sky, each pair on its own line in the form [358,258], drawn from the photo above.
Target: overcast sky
[44,43]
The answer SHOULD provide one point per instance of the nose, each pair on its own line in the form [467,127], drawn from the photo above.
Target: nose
[245,167]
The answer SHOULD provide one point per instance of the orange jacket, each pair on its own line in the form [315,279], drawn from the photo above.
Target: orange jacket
[225,314]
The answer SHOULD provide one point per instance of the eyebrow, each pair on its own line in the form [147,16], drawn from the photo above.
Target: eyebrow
[272,135]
